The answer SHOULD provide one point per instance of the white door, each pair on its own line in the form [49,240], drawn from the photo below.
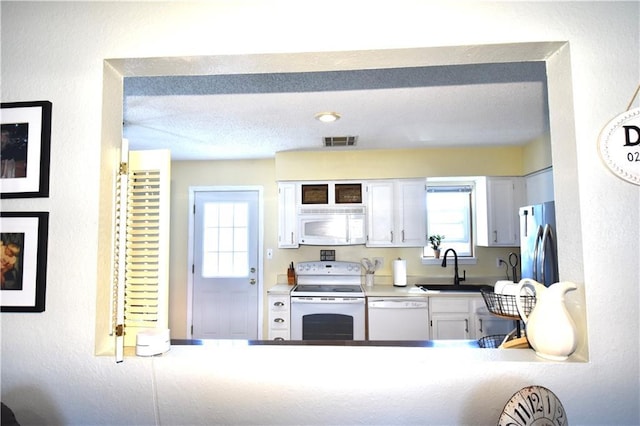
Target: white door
[225,270]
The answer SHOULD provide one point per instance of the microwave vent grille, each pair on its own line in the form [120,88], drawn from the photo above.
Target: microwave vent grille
[332,210]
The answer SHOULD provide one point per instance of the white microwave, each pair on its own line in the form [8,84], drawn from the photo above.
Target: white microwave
[332,226]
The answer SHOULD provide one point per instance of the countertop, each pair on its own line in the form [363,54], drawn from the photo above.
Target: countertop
[411,291]
[383,290]
[457,344]
[280,289]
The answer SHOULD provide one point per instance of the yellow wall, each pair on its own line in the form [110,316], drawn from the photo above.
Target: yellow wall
[327,165]
[185,174]
[536,155]
[400,163]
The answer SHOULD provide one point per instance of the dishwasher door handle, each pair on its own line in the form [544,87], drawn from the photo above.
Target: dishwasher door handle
[398,304]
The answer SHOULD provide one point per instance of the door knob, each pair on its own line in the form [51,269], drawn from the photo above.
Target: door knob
[252,281]
[253,270]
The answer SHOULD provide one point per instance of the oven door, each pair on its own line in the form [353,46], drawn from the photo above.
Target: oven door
[327,318]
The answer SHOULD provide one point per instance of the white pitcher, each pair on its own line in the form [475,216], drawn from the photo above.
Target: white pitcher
[550,329]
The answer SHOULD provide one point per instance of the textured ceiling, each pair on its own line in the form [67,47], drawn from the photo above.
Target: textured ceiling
[256,115]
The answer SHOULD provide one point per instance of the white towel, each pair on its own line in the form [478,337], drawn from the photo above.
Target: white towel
[500,285]
[510,288]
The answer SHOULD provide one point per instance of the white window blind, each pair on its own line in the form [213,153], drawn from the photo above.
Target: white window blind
[449,214]
[142,266]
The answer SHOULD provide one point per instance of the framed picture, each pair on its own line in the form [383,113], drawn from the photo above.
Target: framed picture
[315,194]
[348,193]
[23,260]
[24,157]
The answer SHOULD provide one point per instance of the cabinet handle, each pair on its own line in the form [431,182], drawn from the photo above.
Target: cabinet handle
[480,325]
[291,237]
[279,320]
[279,339]
[403,235]
[495,236]
[466,325]
[278,304]
[391,236]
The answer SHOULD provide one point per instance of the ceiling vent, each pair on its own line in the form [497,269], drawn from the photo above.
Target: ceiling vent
[330,141]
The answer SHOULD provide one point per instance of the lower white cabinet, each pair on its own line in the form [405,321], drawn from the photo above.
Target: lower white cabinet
[464,317]
[279,316]
[487,324]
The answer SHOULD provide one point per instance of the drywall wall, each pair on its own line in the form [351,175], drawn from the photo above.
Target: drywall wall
[55,51]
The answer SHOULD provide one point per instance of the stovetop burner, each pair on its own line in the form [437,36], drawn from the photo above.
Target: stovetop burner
[328,279]
[318,288]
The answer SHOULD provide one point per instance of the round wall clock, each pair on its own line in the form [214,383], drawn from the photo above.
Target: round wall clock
[619,145]
[533,406]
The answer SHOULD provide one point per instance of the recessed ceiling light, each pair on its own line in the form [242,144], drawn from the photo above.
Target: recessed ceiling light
[327,117]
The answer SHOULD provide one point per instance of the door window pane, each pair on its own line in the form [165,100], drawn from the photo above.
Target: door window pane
[225,245]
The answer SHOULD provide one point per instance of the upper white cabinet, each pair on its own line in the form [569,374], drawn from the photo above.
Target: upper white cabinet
[498,200]
[396,213]
[287,215]
[539,187]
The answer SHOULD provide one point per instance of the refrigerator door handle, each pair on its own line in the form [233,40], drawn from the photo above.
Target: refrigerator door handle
[548,243]
[536,250]
[526,223]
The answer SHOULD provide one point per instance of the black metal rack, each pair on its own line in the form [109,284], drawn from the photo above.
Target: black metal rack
[504,306]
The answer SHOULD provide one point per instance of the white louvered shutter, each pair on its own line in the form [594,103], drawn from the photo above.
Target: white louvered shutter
[143,262]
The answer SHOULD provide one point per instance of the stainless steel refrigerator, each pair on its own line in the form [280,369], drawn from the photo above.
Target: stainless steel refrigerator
[538,249]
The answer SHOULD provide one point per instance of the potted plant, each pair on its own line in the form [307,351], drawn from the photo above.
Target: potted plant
[435,241]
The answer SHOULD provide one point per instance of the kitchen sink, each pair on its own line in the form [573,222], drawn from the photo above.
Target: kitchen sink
[450,287]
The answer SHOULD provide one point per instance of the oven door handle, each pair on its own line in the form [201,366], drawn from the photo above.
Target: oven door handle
[341,300]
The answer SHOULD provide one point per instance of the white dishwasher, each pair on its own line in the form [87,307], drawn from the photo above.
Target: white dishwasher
[398,318]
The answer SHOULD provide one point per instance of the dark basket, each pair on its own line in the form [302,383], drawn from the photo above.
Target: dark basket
[493,341]
[504,305]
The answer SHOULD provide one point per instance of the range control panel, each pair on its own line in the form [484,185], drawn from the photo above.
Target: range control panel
[328,268]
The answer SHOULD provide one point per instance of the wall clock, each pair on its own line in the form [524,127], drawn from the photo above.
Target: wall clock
[533,406]
[619,145]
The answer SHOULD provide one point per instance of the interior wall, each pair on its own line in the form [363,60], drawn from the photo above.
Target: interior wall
[536,155]
[400,163]
[50,375]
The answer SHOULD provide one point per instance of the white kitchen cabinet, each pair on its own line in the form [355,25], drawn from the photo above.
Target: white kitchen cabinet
[380,213]
[464,317]
[498,200]
[279,316]
[487,324]
[450,326]
[450,318]
[539,187]
[396,213]
[287,215]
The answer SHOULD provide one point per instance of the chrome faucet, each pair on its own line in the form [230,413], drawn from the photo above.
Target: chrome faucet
[456,277]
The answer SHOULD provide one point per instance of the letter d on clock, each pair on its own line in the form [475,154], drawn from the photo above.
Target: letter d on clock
[627,135]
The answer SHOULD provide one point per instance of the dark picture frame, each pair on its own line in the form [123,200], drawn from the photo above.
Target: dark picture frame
[26,149]
[315,193]
[23,253]
[349,193]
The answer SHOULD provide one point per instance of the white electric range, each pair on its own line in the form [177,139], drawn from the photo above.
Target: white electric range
[328,303]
